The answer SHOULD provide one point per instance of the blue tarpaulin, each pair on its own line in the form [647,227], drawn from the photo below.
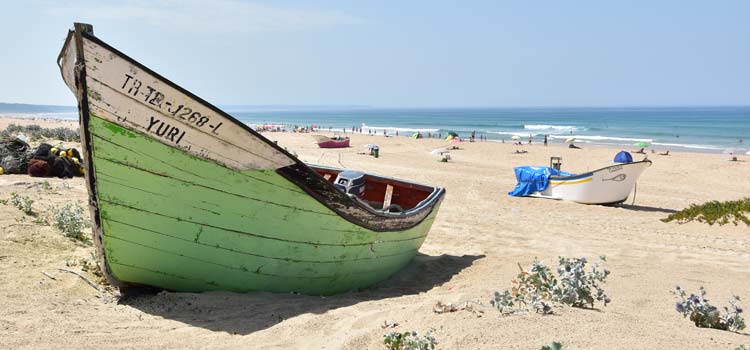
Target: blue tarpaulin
[533,179]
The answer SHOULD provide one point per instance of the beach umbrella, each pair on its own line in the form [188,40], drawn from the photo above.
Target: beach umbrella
[641,144]
[515,137]
[440,151]
[748,152]
[371,146]
[570,140]
[452,133]
[455,139]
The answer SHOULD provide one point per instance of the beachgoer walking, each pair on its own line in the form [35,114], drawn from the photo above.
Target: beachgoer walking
[545,140]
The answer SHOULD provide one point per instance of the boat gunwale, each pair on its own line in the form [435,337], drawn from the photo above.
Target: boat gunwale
[591,173]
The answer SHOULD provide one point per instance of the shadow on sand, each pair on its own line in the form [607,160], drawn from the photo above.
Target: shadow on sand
[646,208]
[237,313]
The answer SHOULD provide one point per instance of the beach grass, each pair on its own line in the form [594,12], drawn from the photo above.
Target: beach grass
[714,212]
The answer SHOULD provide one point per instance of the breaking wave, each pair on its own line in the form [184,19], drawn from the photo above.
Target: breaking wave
[686,145]
[601,138]
[393,128]
[551,127]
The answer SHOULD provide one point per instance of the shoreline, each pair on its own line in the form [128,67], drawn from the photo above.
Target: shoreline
[553,131]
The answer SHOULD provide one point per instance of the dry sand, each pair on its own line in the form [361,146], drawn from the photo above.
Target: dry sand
[473,249]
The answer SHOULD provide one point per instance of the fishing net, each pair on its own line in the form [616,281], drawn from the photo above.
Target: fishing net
[14,155]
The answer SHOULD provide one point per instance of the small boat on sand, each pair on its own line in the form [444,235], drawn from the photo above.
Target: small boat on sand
[331,142]
[608,185]
[184,197]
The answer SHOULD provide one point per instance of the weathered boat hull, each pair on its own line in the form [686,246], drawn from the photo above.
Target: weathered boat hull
[191,204]
[609,185]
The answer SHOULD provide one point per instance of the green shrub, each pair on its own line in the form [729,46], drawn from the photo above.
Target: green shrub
[70,220]
[539,289]
[705,315]
[554,346]
[714,212]
[409,341]
[23,203]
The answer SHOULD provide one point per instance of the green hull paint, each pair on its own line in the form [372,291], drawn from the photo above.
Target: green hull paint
[179,222]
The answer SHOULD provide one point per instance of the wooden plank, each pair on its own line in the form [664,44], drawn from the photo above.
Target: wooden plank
[388,196]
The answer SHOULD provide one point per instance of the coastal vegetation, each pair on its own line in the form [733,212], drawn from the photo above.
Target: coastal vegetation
[22,203]
[409,341]
[70,220]
[714,212]
[36,132]
[554,346]
[705,315]
[541,291]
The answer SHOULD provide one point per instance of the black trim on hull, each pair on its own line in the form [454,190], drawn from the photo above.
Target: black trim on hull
[355,211]
[88,161]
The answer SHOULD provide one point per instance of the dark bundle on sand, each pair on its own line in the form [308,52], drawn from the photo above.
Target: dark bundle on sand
[14,155]
[49,161]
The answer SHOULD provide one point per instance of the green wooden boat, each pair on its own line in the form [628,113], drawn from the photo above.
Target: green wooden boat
[186,198]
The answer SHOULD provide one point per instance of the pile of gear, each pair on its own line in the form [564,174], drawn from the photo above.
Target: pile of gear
[17,157]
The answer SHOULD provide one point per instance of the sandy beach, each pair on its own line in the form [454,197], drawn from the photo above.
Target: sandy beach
[480,236]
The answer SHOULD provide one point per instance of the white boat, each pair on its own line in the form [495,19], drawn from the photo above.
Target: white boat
[608,185]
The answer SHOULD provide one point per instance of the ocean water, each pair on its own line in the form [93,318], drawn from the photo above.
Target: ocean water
[700,129]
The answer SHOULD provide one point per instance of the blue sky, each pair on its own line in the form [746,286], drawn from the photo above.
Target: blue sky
[401,53]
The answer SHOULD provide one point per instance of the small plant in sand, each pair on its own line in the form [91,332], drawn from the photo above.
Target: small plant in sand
[45,185]
[409,341]
[23,203]
[70,220]
[705,315]
[714,212]
[554,346]
[742,347]
[540,290]
[89,265]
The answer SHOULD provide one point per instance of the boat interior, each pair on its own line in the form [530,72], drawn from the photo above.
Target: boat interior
[380,193]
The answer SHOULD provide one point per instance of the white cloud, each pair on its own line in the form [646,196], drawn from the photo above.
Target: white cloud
[218,16]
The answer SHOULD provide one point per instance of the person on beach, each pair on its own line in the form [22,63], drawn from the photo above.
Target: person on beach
[545,140]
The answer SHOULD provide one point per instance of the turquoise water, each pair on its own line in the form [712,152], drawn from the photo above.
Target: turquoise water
[701,129]
[704,129]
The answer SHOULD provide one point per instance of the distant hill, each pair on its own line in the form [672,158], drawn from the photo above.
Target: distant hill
[28,108]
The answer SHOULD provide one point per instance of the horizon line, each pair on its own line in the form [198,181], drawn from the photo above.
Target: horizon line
[357,106]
